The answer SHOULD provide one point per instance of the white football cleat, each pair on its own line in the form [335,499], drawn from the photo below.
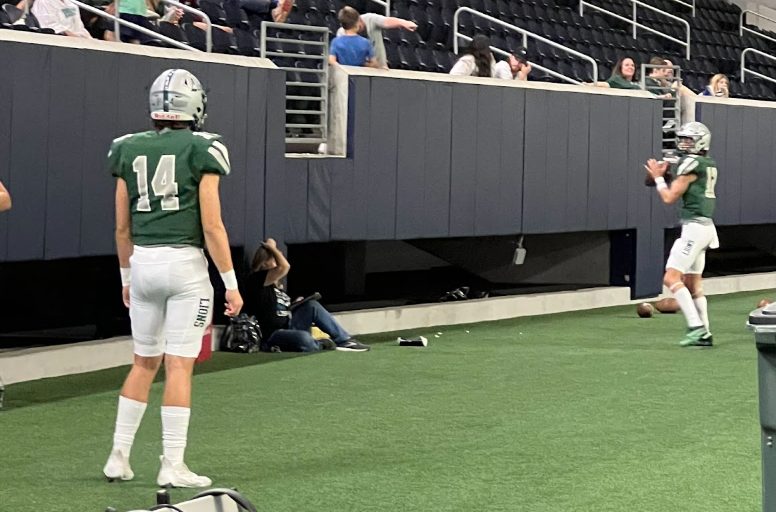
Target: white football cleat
[179,476]
[117,467]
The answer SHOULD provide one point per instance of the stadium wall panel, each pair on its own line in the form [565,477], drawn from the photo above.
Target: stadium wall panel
[437,159]
[66,101]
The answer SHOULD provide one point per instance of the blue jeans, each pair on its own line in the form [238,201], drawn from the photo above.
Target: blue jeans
[298,337]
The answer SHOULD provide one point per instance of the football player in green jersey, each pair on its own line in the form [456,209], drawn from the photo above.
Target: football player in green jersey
[696,177]
[167,210]
[5,199]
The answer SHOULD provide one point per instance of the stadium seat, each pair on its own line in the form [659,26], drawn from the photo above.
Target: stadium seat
[173,31]
[235,15]
[247,44]
[215,12]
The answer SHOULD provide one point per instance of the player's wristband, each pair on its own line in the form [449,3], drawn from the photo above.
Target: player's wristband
[660,183]
[125,275]
[229,279]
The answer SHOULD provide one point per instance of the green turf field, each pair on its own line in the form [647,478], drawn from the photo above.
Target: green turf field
[591,411]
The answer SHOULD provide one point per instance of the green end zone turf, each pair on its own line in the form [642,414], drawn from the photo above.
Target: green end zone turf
[590,411]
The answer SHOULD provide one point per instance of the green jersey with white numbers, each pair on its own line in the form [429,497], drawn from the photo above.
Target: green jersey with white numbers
[162,171]
[699,199]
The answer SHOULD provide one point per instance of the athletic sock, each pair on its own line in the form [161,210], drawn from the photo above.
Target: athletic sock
[703,311]
[127,422]
[175,428]
[685,301]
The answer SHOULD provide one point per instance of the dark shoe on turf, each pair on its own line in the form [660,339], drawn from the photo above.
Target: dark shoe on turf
[706,341]
[694,337]
[353,345]
[326,344]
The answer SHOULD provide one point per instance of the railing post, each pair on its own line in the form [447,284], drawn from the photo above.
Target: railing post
[634,20]
[687,56]
[116,24]
[455,31]
[693,8]
[581,7]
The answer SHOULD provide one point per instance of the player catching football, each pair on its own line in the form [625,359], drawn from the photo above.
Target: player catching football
[167,209]
[696,176]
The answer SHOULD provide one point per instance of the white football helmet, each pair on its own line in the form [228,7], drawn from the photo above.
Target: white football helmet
[693,138]
[177,95]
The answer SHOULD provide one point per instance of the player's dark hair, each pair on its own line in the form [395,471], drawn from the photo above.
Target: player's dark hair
[618,69]
[479,48]
[260,258]
[160,125]
[657,61]
[348,18]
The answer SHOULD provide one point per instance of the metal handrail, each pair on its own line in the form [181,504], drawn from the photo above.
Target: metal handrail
[636,3]
[323,74]
[741,26]
[118,21]
[526,34]
[197,12]
[387,5]
[636,25]
[744,71]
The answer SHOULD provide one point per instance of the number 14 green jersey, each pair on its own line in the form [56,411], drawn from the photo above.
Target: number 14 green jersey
[162,171]
[700,199]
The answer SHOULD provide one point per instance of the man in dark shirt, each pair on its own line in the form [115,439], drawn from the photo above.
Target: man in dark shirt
[289,332]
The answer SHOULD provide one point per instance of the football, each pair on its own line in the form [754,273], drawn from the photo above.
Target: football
[645,310]
[667,306]
[650,181]
[764,303]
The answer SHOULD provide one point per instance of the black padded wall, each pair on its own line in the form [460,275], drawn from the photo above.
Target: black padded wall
[63,108]
[430,159]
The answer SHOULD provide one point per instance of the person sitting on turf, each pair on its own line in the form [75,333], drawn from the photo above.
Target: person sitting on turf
[266,300]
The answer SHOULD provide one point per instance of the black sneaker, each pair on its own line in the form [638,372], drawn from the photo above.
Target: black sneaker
[706,341]
[353,345]
[326,344]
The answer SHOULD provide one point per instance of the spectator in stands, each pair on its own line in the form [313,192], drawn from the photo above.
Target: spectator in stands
[517,66]
[5,199]
[624,76]
[270,10]
[479,61]
[350,49]
[656,80]
[371,26]
[718,86]
[61,16]
[133,11]
[289,332]
[683,89]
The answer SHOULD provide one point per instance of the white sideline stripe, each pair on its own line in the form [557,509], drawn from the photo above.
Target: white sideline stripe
[39,363]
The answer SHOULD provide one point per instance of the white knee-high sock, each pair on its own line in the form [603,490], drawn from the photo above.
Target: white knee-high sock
[127,421]
[703,311]
[175,428]
[683,297]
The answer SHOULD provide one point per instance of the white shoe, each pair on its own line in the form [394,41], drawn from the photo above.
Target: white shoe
[117,467]
[179,476]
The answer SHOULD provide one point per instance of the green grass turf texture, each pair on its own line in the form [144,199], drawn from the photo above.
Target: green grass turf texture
[589,411]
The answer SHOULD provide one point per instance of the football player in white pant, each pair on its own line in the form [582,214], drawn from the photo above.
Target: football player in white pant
[167,210]
[696,178]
